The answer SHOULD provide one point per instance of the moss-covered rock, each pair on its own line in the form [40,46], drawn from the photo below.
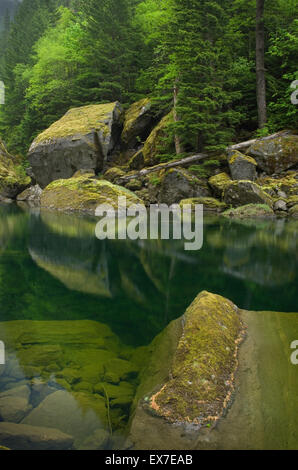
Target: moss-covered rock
[138,122]
[171,186]
[242,167]
[156,141]
[31,195]
[84,138]
[287,183]
[134,185]
[201,372]
[219,183]
[293,211]
[241,193]
[250,211]
[13,179]
[84,194]
[114,174]
[277,154]
[292,201]
[210,204]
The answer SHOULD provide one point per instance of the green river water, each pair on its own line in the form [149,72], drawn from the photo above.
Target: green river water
[77,316]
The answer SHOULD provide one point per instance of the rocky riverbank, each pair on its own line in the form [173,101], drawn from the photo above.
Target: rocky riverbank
[95,153]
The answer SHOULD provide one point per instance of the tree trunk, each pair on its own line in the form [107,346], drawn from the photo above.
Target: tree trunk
[260,64]
[178,145]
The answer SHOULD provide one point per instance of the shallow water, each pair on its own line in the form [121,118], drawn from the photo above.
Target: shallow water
[76,313]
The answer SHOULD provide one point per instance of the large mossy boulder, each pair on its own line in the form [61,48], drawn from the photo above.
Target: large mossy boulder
[171,186]
[84,194]
[190,377]
[84,138]
[277,154]
[241,193]
[138,123]
[13,179]
[242,167]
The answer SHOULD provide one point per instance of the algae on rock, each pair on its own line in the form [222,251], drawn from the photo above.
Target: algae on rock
[84,194]
[201,370]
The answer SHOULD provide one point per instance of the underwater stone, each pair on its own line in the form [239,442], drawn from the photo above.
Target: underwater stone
[24,437]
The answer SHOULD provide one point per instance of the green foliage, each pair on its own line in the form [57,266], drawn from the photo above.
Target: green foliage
[155,180]
[58,54]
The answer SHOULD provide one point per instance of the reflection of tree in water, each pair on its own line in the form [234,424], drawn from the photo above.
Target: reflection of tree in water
[138,287]
[262,256]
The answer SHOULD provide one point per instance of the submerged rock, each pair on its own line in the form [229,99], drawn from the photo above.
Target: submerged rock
[84,194]
[78,414]
[200,374]
[83,138]
[25,437]
[97,441]
[14,404]
[277,154]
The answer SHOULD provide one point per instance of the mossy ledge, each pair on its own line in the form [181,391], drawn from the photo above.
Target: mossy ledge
[201,377]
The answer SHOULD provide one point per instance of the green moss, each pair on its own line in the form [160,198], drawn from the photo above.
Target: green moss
[113,174]
[238,155]
[199,171]
[293,212]
[155,180]
[137,161]
[156,141]
[202,373]
[219,183]
[276,154]
[292,201]
[79,121]
[288,183]
[132,115]
[209,203]
[13,178]
[84,194]
[250,211]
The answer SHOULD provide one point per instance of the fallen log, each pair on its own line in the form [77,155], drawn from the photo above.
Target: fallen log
[248,143]
[162,166]
[196,158]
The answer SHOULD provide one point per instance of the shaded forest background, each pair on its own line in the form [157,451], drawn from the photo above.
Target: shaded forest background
[196,55]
